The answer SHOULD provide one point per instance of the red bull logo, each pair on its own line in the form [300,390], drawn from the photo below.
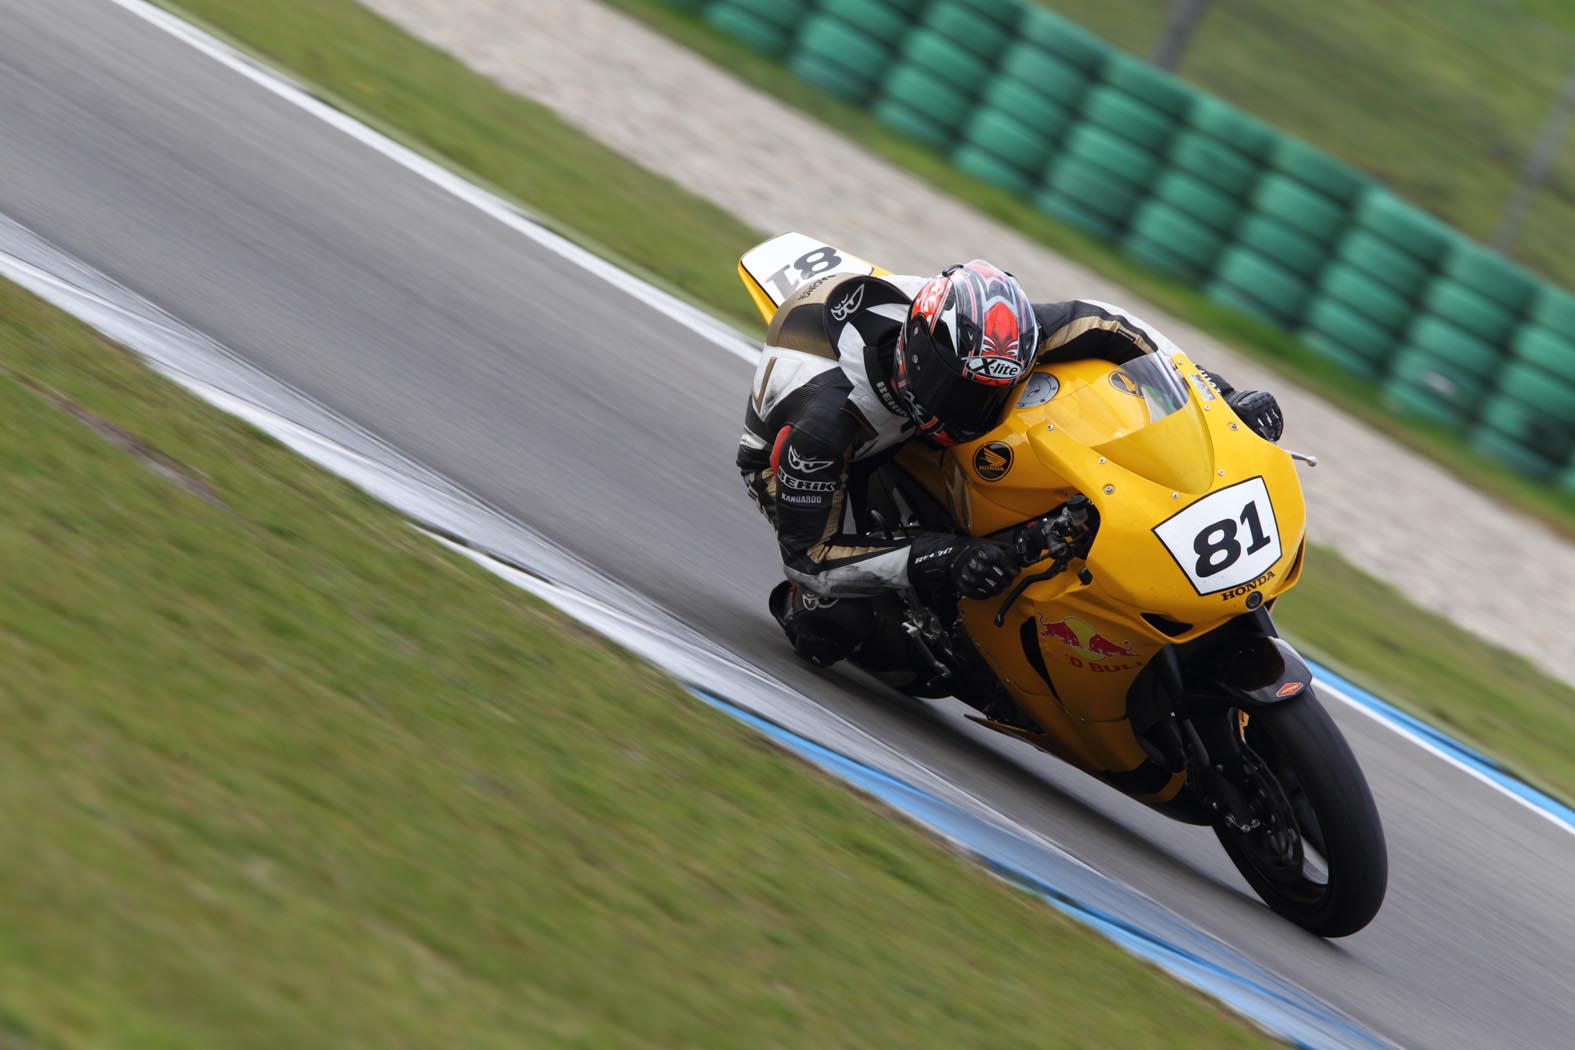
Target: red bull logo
[1102,647]
[1081,636]
[1061,633]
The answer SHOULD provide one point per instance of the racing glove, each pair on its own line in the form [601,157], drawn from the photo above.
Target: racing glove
[1260,411]
[1256,408]
[971,567]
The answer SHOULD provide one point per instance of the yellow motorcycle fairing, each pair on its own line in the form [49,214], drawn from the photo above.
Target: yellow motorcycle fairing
[1069,651]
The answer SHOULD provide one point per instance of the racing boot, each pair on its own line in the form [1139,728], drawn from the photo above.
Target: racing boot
[822,630]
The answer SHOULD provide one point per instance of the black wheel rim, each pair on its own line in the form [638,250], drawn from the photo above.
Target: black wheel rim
[1287,847]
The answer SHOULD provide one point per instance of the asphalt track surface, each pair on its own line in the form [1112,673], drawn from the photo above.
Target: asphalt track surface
[611,429]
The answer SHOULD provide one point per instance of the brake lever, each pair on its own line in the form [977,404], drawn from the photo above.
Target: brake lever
[1050,532]
[1057,567]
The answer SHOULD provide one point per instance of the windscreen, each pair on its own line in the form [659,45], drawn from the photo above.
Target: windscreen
[1127,398]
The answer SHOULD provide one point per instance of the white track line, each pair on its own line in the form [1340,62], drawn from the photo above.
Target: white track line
[691,317]
[696,320]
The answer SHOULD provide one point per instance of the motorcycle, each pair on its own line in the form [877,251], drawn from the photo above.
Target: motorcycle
[1155,533]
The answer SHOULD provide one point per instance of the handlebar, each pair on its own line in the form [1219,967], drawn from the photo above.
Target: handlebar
[1063,535]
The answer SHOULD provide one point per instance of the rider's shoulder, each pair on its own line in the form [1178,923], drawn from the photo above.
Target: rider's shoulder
[812,318]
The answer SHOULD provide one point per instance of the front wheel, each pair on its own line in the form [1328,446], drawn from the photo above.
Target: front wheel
[1316,854]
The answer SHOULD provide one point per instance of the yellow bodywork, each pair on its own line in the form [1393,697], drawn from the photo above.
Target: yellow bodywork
[1091,639]
[1136,481]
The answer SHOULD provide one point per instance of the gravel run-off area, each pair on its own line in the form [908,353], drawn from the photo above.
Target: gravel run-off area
[1394,513]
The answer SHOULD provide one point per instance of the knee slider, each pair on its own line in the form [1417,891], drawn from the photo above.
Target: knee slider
[825,630]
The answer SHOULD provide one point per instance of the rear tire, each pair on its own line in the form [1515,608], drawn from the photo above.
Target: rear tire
[1342,865]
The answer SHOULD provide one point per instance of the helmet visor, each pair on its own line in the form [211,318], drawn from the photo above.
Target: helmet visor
[962,409]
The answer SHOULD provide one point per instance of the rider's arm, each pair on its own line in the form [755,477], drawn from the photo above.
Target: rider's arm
[1084,328]
[809,479]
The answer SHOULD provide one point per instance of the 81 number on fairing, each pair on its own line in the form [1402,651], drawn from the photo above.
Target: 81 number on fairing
[1225,539]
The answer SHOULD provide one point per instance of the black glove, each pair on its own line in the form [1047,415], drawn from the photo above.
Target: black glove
[1260,411]
[971,567]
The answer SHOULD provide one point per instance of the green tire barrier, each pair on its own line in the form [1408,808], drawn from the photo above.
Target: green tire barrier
[1373,255]
[1197,199]
[1537,389]
[1000,13]
[1251,138]
[1230,295]
[832,77]
[926,97]
[785,15]
[1359,292]
[1131,118]
[1073,213]
[1066,40]
[1421,402]
[984,164]
[1277,292]
[840,43]
[1420,368]
[1121,158]
[944,60]
[1287,200]
[1210,160]
[1042,114]
[877,19]
[905,120]
[1471,311]
[1289,248]
[1553,308]
[909,10]
[1355,334]
[758,33]
[1093,187]
[1158,255]
[1032,103]
[965,28]
[1339,353]
[1453,347]
[1553,439]
[1053,77]
[1154,86]
[1316,170]
[1192,243]
[1520,458]
[1406,227]
[1543,349]
[1489,275]
[1026,149]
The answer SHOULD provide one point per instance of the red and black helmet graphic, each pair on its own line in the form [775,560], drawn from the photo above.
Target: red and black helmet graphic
[969,338]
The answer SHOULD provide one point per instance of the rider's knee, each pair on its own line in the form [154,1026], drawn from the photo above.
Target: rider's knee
[824,630]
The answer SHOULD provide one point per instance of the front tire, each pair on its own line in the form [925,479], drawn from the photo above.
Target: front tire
[1319,857]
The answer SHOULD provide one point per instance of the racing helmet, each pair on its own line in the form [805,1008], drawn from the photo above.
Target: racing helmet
[970,337]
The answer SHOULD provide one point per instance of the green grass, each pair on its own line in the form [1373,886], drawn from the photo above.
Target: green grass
[279,772]
[1473,689]
[1442,99]
[1412,656]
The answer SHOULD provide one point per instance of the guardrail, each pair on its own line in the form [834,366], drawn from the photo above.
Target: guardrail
[1024,99]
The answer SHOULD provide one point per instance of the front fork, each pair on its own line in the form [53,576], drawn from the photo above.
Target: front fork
[1192,715]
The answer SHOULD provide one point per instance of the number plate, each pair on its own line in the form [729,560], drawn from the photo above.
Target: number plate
[784,264]
[1225,539]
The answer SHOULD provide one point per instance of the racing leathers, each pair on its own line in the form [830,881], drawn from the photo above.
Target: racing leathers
[821,402]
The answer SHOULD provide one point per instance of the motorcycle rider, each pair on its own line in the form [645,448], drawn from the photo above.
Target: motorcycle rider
[856,365]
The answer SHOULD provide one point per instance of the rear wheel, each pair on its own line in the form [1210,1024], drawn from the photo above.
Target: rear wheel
[1317,854]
